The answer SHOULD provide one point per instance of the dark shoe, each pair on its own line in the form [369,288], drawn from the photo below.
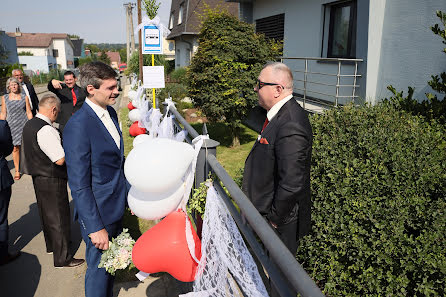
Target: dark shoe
[72,263]
[10,258]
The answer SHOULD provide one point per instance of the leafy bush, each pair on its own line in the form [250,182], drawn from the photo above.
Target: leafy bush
[378,191]
[176,91]
[44,78]
[223,72]
[179,75]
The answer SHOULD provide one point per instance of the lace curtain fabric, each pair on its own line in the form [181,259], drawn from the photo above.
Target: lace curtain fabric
[226,266]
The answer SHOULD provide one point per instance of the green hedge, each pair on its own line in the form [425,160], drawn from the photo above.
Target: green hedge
[378,192]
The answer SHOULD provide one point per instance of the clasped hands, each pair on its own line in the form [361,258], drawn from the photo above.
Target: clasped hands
[100,239]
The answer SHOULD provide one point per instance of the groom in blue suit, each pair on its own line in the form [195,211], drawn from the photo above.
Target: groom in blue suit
[94,153]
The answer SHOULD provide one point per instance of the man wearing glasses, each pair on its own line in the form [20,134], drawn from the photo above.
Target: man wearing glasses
[277,170]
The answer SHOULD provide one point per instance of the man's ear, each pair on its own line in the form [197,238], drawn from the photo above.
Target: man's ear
[90,89]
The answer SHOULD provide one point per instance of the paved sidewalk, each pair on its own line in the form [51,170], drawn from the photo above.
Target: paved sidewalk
[33,273]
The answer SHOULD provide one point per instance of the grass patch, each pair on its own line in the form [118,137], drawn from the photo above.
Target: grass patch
[231,158]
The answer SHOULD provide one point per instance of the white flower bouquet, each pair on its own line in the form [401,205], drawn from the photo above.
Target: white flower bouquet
[119,253]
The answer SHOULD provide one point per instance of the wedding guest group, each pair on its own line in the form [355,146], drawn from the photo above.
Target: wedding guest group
[277,170]
[70,94]
[43,157]
[94,151]
[16,110]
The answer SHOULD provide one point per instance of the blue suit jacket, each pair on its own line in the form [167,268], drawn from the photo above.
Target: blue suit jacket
[5,149]
[95,170]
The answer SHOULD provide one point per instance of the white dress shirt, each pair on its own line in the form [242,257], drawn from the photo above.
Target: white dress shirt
[27,94]
[48,139]
[104,116]
[276,107]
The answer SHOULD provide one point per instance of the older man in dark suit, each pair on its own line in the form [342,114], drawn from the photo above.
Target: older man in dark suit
[277,170]
[71,97]
[28,89]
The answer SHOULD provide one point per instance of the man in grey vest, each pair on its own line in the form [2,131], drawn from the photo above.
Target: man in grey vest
[43,157]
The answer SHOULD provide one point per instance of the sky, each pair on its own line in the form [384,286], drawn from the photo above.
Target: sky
[96,21]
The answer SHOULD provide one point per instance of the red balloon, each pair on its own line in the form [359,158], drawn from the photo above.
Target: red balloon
[164,248]
[130,106]
[135,130]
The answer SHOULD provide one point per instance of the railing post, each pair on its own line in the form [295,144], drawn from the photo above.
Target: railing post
[338,81]
[305,82]
[354,81]
[209,148]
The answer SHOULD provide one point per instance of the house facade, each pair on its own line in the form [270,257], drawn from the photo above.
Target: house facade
[368,44]
[9,45]
[184,24]
[50,51]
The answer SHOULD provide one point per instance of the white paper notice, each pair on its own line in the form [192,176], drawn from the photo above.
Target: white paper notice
[153,77]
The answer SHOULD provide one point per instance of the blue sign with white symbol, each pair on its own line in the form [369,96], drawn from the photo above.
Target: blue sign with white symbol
[152,40]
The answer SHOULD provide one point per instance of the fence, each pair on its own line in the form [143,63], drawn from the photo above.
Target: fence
[325,81]
[287,268]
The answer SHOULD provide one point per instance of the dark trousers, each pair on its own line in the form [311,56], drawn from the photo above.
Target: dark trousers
[5,196]
[288,234]
[54,210]
[98,282]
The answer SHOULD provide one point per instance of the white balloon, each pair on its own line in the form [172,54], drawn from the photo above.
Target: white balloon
[158,165]
[140,139]
[134,115]
[153,206]
[131,94]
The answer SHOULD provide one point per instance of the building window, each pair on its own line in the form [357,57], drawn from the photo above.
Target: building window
[342,30]
[55,53]
[171,21]
[272,26]
[180,14]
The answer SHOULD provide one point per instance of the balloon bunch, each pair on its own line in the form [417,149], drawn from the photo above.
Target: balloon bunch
[136,106]
[160,170]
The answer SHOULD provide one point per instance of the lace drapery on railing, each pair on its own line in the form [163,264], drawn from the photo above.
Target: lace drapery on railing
[226,266]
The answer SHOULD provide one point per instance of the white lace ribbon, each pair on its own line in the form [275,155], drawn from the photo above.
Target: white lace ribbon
[226,264]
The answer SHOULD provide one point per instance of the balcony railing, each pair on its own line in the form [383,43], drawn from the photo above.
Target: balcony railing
[321,83]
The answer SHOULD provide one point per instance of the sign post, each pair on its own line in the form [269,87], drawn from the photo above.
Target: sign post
[152,45]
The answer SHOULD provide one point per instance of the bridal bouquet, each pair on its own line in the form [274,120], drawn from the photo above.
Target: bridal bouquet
[119,253]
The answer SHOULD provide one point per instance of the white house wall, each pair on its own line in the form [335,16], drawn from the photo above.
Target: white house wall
[303,37]
[37,63]
[36,51]
[65,51]
[403,51]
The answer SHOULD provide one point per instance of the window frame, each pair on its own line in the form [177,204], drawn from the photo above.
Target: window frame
[351,40]
[55,53]
[172,20]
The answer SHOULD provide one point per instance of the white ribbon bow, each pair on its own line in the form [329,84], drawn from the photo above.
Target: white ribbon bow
[146,21]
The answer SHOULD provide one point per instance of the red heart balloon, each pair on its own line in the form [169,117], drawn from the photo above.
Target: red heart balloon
[135,130]
[130,106]
[164,248]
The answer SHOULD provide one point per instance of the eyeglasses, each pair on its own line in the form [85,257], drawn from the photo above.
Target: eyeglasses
[260,84]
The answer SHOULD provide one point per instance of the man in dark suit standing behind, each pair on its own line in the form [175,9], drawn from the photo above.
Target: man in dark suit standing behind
[6,182]
[277,170]
[71,97]
[94,152]
[29,91]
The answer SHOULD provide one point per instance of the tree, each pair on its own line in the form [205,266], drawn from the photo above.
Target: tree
[123,55]
[74,36]
[223,72]
[151,8]
[104,58]
[26,53]
[133,64]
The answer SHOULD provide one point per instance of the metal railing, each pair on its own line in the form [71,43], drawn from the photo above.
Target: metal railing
[320,85]
[280,264]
